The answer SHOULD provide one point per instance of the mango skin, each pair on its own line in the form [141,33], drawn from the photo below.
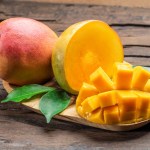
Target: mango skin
[25,51]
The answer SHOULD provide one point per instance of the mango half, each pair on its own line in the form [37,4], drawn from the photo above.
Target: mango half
[123,99]
[81,49]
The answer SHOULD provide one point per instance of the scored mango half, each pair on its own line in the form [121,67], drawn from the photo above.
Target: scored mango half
[125,98]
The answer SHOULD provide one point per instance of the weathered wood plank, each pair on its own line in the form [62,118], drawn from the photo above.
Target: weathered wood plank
[138,61]
[137,51]
[133,28]
[129,3]
[68,14]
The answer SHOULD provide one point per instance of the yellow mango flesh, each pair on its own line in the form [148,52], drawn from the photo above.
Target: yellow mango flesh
[86,90]
[107,99]
[140,77]
[101,80]
[96,116]
[121,100]
[90,104]
[122,73]
[81,49]
[111,115]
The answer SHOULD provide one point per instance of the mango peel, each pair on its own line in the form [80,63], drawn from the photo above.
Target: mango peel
[122,99]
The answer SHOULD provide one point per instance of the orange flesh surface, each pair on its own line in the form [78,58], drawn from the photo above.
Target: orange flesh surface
[93,45]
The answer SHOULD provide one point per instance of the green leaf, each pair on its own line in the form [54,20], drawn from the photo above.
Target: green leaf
[53,103]
[26,92]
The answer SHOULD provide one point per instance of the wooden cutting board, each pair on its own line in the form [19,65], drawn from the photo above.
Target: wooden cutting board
[71,115]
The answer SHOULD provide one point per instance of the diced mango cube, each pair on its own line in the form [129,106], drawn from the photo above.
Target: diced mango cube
[142,115]
[86,90]
[97,116]
[127,100]
[107,99]
[90,104]
[143,102]
[122,76]
[140,77]
[127,116]
[111,115]
[101,80]
[147,86]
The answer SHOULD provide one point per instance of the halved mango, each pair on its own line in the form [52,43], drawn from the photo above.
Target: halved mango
[121,99]
[81,49]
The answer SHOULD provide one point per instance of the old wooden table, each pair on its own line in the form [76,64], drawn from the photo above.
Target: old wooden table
[21,128]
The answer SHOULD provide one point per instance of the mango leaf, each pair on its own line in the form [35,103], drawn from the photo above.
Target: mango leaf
[26,92]
[53,103]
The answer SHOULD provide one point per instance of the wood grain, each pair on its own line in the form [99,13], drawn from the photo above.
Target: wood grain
[133,28]
[129,3]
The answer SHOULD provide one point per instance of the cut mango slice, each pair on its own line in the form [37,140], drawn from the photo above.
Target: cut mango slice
[140,77]
[120,100]
[122,76]
[107,99]
[86,90]
[101,80]
[97,116]
[111,115]
[127,100]
[90,103]
[127,117]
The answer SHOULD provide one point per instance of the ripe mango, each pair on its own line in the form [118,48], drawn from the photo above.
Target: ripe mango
[25,51]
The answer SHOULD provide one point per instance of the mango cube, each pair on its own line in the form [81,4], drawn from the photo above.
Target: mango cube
[97,116]
[90,104]
[111,115]
[101,80]
[107,99]
[143,100]
[127,116]
[122,76]
[140,77]
[142,115]
[147,86]
[86,90]
[127,100]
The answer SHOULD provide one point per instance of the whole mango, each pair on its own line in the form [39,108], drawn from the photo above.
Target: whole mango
[25,51]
